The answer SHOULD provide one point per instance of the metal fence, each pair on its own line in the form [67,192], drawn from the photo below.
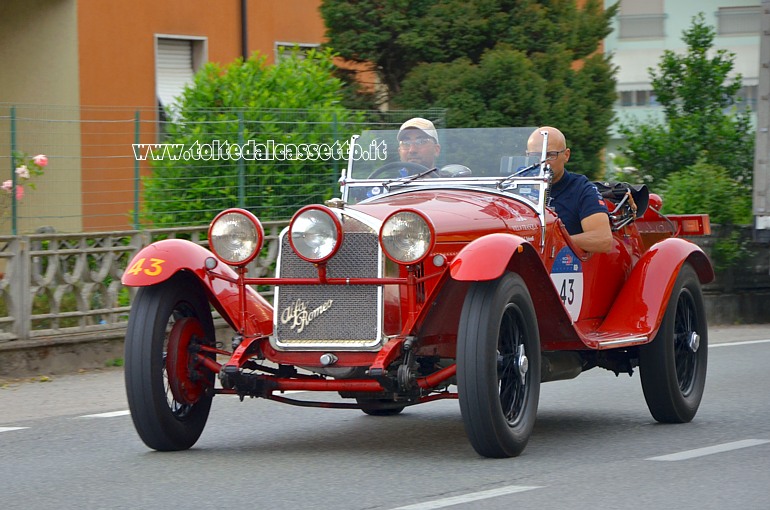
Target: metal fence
[105,172]
[55,285]
[68,284]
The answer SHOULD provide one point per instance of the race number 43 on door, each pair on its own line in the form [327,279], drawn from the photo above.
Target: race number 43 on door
[567,277]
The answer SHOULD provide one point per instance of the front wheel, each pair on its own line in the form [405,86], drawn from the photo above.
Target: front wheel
[169,392]
[498,366]
[673,366]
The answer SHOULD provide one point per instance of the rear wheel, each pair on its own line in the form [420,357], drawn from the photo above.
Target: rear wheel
[169,392]
[498,366]
[673,366]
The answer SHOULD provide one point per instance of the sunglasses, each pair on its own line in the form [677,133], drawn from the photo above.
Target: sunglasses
[417,142]
[548,155]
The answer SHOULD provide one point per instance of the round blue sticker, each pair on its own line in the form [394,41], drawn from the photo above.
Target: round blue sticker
[567,277]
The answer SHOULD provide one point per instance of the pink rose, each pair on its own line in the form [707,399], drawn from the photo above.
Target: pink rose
[40,160]
[23,172]
[8,186]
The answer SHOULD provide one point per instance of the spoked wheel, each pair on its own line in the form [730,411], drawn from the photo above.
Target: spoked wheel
[673,366]
[498,366]
[169,391]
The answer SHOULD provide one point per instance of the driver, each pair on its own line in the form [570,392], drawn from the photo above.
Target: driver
[418,142]
[576,200]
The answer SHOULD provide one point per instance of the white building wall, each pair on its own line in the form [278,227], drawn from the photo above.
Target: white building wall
[635,55]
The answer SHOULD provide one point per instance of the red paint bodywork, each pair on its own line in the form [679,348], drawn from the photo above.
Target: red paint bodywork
[479,235]
[220,283]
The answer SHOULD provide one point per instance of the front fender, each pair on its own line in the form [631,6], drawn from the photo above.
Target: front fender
[641,304]
[159,261]
[488,257]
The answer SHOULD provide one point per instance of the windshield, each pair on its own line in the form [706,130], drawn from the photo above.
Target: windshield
[493,158]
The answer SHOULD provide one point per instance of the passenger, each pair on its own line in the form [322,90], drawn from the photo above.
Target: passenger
[576,200]
[418,142]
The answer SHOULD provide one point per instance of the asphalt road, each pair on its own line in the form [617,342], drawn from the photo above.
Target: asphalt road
[69,443]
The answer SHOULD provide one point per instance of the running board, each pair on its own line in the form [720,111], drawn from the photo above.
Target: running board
[601,341]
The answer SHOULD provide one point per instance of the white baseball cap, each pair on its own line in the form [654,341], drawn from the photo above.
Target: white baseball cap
[423,125]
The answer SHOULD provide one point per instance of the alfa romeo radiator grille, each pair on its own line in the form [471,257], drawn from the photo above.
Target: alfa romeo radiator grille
[330,316]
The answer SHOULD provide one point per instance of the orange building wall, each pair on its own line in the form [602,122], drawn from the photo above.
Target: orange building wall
[117,60]
[117,69]
[294,21]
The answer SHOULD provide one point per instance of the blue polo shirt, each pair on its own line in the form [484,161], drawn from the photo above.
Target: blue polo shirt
[574,198]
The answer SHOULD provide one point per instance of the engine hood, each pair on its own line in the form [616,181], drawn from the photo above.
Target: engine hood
[459,214]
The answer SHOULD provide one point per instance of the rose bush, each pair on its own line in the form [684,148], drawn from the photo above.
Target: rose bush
[26,169]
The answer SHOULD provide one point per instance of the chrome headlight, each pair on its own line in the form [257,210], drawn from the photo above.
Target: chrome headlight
[407,237]
[315,233]
[236,236]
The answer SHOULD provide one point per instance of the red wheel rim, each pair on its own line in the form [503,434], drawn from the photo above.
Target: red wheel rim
[187,383]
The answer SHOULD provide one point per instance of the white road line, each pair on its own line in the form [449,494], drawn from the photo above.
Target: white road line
[746,342]
[8,429]
[710,450]
[467,498]
[107,415]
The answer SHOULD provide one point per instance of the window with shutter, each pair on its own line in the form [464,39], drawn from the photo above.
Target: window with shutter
[285,49]
[177,59]
[173,68]
[739,20]
[641,19]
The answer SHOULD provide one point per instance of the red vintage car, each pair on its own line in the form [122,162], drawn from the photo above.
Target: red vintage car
[418,284]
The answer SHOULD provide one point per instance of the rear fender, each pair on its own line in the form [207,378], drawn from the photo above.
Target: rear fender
[641,304]
[488,257]
[161,260]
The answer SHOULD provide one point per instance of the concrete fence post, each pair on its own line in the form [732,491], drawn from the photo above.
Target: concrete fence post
[20,281]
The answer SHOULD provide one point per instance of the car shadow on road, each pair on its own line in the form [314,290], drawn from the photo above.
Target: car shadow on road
[418,433]
[411,434]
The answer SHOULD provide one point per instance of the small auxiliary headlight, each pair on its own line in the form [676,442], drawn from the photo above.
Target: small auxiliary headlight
[315,233]
[236,236]
[406,237]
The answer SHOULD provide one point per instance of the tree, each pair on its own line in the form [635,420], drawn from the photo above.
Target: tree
[490,62]
[509,88]
[718,195]
[701,154]
[700,119]
[397,35]
[291,103]
[706,188]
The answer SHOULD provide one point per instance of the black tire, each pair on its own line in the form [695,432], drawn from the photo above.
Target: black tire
[498,389]
[378,407]
[673,374]
[161,420]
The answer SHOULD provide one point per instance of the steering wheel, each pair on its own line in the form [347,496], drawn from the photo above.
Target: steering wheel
[412,168]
